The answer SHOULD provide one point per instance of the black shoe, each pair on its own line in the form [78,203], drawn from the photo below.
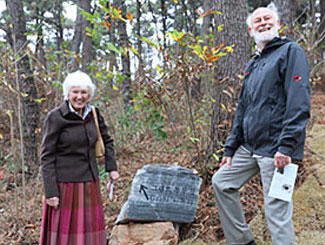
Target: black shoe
[251,243]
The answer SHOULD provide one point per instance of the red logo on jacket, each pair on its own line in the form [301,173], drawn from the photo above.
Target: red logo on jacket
[297,78]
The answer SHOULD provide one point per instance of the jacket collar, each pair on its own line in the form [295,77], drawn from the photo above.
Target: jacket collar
[64,108]
[67,113]
[274,43]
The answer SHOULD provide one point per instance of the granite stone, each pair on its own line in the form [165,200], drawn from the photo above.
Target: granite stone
[162,193]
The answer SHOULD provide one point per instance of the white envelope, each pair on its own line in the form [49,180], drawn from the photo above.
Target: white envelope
[283,182]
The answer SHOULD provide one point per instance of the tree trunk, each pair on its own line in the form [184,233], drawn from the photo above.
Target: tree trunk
[286,13]
[193,6]
[155,22]
[112,55]
[164,21]
[123,42]
[39,51]
[234,33]
[138,31]
[59,27]
[322,15]
[188,22]
[205,31]
[87,48]
[178,19]
[76,42]
[6,27]
[207,20]
[26,82]
[322,30]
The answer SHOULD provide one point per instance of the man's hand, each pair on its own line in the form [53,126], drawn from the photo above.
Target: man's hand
[114,176]
[280,160]
[226,160]
[53,202]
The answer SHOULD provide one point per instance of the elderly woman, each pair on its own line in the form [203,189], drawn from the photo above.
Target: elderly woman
[73,212]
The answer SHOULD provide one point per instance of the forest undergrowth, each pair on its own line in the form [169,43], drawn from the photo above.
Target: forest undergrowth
[20,220]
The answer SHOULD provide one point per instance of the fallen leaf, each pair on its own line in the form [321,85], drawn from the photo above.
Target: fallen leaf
[2,173]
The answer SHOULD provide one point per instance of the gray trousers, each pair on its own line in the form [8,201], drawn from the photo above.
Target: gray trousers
[226,184]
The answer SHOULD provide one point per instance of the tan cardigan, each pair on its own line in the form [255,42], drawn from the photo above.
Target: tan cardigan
[68,149]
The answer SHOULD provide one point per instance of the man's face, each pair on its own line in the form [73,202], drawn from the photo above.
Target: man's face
[264,26]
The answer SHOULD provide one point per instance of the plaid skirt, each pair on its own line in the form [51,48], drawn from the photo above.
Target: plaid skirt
[78,220]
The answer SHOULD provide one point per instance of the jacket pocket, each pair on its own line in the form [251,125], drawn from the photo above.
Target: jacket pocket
[259,128]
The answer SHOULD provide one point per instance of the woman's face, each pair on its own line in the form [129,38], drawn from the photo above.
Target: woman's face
[78,97]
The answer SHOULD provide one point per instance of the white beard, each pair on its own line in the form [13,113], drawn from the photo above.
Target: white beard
[261,38]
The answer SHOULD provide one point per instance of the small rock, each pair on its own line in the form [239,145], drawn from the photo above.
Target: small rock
[158,233]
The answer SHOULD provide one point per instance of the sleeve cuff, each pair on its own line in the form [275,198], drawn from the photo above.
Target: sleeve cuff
[285,150]
[228,152]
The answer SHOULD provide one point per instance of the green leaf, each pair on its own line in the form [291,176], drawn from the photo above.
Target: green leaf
[146,102]
[23,94]
[162,134]
[139,106]
[134,50]
[8,157]
[40,100]
[97,15]
[177,36]
[221,54]
[88,29]
[152,44]
[215,156]
[87,15]
[111,47]
[102,2]
[194,140]
[195,171]
[28,34]
[11,168]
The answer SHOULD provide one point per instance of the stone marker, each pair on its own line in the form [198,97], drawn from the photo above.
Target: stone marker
[162,193]
[157,233]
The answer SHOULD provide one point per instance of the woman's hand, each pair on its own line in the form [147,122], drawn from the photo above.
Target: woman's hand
[114,176]
[53,202]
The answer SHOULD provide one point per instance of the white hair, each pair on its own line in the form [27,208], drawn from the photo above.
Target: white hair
[78,79]
[271,7]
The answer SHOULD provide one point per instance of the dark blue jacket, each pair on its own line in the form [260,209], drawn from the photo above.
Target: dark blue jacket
[274,103]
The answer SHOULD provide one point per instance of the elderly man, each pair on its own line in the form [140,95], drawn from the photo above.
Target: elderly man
[268,130]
